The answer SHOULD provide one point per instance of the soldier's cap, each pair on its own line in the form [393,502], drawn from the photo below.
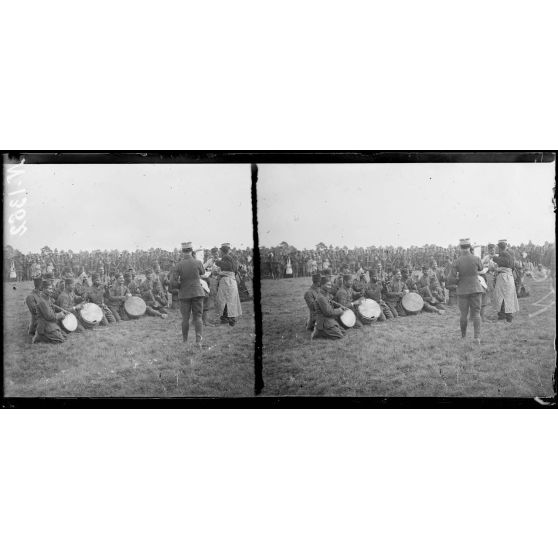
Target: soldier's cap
[373,277]
[69,281]
[347,277]
[325,279]
[490,245]
[148,270]
[504,241]
[464,242]
[186,246]
[214,250]
[127,275]
[424,267]
[316,278]
[45,284]
[226,245]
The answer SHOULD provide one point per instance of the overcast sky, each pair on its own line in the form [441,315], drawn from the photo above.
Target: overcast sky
[405,204]
[124,207]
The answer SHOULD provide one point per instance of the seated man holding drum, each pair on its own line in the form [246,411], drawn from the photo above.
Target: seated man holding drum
[96,295]
[373,290]
[326,326]
[68,300]
[345,296]
[116,297]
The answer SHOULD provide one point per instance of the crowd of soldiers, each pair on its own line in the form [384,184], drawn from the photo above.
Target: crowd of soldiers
[286,261]
[55,262]
[53,298]
[332,294]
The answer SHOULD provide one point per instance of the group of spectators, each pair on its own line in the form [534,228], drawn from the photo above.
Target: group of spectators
[102,262]
[286,261]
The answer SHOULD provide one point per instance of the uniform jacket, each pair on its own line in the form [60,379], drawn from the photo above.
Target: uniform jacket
[96,294]
[66,300]
[310,297]
[117,294]
[345,296]
[374,291]
[325,312]
[466,269]
[188,271]
[46,316]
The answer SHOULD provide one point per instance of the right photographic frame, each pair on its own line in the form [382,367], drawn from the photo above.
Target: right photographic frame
[408,275]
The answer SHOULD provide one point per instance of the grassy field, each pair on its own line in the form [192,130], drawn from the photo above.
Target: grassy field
[141,358]
[420,355]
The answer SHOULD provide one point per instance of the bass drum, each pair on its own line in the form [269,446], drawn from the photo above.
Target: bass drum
[69,323]
[369,311]
[91,314]
[135,306]
[347,319]
[412,303]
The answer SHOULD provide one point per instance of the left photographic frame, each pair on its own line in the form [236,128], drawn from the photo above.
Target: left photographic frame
[127,277]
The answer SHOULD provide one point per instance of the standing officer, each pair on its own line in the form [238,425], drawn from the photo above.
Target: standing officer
[188,274]
[465,272]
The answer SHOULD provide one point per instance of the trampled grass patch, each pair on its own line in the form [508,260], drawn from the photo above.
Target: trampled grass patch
[419,355]
[140,358]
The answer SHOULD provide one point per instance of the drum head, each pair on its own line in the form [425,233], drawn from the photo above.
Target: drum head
[135,306]
[69,323]
[412,303]
[348,318]
[369,309]
[91,313]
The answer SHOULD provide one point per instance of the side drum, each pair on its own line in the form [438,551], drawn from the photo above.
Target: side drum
[347,319]
[135,306]
[368,311]
[412,303]
[91,314]
[69,323]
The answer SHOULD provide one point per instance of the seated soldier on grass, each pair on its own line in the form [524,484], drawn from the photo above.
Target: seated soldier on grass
[149,293]
[326,326]
[48,330]
[32,300]
[68,300]
[96,295]
[373,290]
[346,296]
[116,296]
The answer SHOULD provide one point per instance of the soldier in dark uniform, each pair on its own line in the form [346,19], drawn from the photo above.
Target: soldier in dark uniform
[68,300]
[374,291]
[156,305]
[310,298]
[32,301]
[326,323]
[48,330]
[96,295]
[394,292]
[346,296]
[465,272]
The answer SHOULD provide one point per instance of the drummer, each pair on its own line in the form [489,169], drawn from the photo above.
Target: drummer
[130,282]
[326,326]
[48,330]
[373,290]
[345,296]
[68,300]
[395,291]
[116,297]
[96,295]
[422,287]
